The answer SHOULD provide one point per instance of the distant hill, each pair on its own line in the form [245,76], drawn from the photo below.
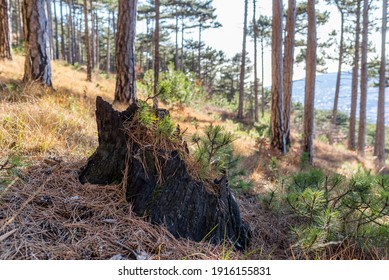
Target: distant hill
[325,91]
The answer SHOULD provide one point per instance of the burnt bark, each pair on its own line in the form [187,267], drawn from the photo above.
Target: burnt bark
[37,65]
[181,203]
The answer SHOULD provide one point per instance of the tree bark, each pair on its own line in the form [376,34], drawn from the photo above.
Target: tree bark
[70,26]
[364,81]
[277,90]
[184,205]
[63,51]
[87,44]
[108,62]
[125,52]
[310,83]
[50,28]
[92,40]
[340,62]
[5,42]
[37,64]
[288,66]
[354,85]
[243,64]
[97,42]
[156,55]
[379,148]
[255,29]
[56,31]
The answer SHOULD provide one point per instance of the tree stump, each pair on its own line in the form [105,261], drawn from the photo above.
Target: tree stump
[170,197]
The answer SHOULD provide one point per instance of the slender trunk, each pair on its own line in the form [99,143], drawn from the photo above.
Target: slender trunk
[17,22]
[125,52]
[243,64]
[10,23]
[364,81]
[182,45]
[288,66]
[37,64]
[97,44]
[87,44]
[176,50]
[262,78]
[310,83]
[5,43]
[92,43]
[379,148]
[156,54]
[50,29]
[354,85]
[277,94]
[56,31]
[20,18]
[62,31]
[340,62]
[108,62]
[256,105]
[199,53]
[73,31]
[69,31]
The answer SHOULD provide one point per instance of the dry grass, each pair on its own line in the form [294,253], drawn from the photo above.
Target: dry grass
[48,214]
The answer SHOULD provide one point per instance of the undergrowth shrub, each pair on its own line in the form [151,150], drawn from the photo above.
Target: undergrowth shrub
[215,154]
[174,86]
[332,210]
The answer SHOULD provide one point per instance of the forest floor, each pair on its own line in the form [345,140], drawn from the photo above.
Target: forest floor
[45,213]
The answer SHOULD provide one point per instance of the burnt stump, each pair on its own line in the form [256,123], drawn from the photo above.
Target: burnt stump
[171,196]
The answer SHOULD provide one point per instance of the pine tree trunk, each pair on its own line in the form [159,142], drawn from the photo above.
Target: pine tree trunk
[56,31]
[63,51]
[176,45]
[87,44]
[262,78]
[92,40]
[20,18]
[125,52]
[50,28]
[156,54]
[37,65]
[354,85]
[182,46]
[379,148]
[310,83]
[17,22]
[5,42]
[277,90]
[97,42]
[256,103]
[288,66]
[340,62]
[243,64]
[108,62]
[364,80]
[70,41]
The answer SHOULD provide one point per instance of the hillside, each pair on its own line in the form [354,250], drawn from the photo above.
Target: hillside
[45,213]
